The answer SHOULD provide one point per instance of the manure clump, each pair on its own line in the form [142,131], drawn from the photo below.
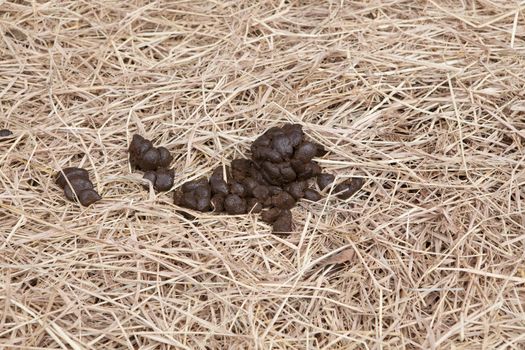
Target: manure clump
[76,184]
[154,161]
[271,182]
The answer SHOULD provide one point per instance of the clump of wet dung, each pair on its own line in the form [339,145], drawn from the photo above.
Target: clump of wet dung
[76,184]
[278,175]
[154,161]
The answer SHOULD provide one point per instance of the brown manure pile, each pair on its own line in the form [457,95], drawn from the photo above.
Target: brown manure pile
[277,174]
[275,178]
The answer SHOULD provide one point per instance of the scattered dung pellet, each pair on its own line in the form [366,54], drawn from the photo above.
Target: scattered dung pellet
[307,170]
[321,150]
[194,195]
[165,157]
[5,133]
[294,132]
[178,198]
[70,172]
[217,183]
[145,156]
[194,184]
[137,148]
[242,164]
[203,196]
[150,159]
[312,195]
[217,202]
[274,190]
[249,185]
[189,200]
[283,145]
[151,176]
[283,200]
[267,154]
[164,180]
[235,205]
[161,179]
[305,152]
[255,174]
[324,180]
[347,188]
[270,215]
[283,224]
[240,168]
[296,189]
[76,184]
[238,189]
[261,192]
[154,161]
[88,197]
[254,206]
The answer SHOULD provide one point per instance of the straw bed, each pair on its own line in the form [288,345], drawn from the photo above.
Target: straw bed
[423,99]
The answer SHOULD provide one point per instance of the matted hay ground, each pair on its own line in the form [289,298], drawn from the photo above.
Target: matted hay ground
[424,99]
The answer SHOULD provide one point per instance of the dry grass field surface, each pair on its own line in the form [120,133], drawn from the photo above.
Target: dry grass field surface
[424,100]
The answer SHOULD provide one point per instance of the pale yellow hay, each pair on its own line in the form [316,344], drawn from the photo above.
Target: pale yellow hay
[423,99]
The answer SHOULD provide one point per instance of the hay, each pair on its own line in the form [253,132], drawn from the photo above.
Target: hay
[423,99]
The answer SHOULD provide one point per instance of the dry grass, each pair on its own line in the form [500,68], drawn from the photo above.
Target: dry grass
[424,99]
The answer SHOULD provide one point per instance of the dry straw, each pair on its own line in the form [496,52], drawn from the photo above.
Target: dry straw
[423,99]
